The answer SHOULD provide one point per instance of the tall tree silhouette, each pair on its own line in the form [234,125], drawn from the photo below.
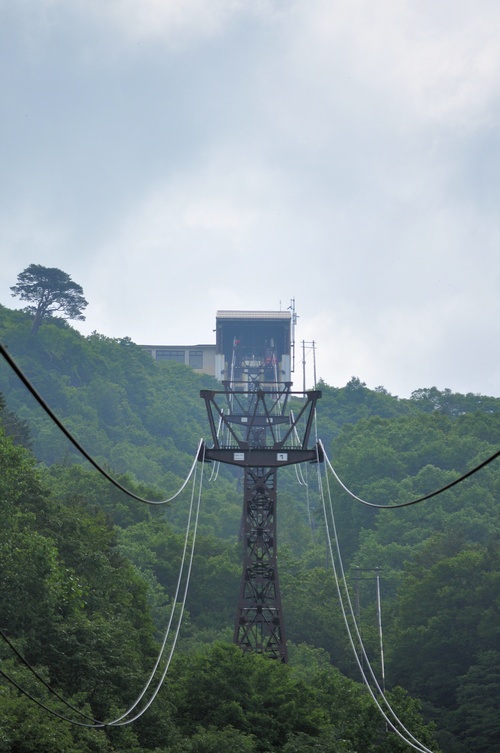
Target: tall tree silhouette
[49,290]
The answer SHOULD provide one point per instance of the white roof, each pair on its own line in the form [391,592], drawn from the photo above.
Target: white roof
[254,314]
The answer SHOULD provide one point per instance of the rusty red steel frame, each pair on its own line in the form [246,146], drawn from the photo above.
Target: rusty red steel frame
[251,429]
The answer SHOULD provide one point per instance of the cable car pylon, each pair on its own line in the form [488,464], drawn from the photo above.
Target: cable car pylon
[259,436]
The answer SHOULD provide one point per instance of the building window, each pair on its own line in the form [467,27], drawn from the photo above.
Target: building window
[170,355]
[196,359]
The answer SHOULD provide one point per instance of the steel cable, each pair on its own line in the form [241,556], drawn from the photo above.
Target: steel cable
[417,745]
[97,725]
[24,379]
[391,724]
[413,501]
[215,470]
[44,682]
[118,722]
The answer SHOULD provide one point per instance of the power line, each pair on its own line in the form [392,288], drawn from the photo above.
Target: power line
[413,501]
[29,386]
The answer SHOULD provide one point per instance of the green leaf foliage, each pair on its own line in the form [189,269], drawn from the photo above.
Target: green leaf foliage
[88,576]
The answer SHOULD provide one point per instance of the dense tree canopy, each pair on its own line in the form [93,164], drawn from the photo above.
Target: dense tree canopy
[77,610]
[88,577]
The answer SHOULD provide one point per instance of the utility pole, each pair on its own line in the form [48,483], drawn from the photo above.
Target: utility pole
[376,578]
[307,347]
[379,620]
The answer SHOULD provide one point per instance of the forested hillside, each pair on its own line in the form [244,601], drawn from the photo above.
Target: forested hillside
[88,576]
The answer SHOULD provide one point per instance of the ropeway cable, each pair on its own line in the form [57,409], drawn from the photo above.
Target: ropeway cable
[295,434]
[421,747]
[42,680]
[24,379]
[174,602]
[215,472]
[300,481]
[96,725]
[300,475]
[413,501]
[216,467]
[417,745]
[318,472]
[118,722]
[308,499]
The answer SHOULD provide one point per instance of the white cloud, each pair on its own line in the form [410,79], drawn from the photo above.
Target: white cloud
[433,62]
[154,19]
[175,23]
[340,152]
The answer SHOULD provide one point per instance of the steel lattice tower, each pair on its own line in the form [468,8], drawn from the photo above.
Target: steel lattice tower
[259,623]
[251,429]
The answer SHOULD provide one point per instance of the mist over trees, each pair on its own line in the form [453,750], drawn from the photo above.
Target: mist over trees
[88,576]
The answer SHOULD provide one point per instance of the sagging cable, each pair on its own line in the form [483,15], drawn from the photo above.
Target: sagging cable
[413,501]
[121,721]
[48,410]
[416,744]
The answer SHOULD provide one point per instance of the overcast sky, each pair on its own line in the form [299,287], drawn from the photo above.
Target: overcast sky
[177,157]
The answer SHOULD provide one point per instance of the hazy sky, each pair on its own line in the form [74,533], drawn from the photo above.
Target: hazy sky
[176,157]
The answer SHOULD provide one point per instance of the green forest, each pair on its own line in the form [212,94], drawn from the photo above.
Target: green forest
[88,576]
